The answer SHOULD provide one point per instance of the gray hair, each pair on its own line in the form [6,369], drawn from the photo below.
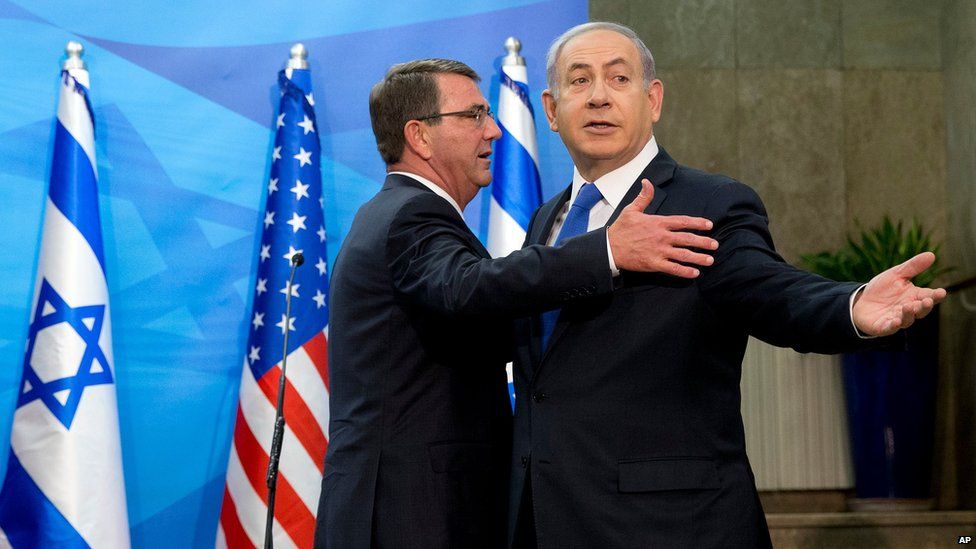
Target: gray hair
[408,91]
[647,60]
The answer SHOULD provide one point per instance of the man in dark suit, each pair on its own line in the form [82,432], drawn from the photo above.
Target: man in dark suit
[628,430]
[420,329]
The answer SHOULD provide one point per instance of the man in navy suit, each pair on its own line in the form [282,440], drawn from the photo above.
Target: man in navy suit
[420,323]
[628,430]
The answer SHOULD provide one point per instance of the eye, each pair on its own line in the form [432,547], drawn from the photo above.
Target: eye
[579,80]
[621,79]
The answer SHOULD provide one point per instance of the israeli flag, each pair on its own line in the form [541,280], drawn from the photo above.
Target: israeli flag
[64,484]
[515,190]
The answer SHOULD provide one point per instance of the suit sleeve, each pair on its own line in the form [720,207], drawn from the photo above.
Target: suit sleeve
[434,265]
[752,285]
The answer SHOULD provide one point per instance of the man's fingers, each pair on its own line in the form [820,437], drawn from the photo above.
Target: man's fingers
[682,271]
[914,266]
[684,222]
[908,311]
[935,294]
[688,240]
[644,198]
[687,256]
[926,307]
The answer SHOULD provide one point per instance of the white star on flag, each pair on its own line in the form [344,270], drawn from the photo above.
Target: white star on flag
[268,219]
[300,190]
[307,125]
[281,120]
[321,233]
[321,266]
[272,185]
[265,252]
[319,299]
[310,99]
[255,354]
[294,290]
[291,252]
[303,157]
[290,322]
[276,154]
[262,286]
[297,221]
[258,320]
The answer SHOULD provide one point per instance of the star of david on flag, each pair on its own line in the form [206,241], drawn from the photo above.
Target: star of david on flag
[293,222]
[64,485]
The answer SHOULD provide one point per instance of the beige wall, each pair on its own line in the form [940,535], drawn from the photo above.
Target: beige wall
[832,110]
[958,372]
[836,111]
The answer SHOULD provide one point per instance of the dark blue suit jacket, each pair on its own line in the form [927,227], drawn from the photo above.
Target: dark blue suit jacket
[419,335]
[629,423]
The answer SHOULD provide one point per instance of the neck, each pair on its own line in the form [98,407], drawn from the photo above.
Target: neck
[591,170]
[594,168]
[425,170]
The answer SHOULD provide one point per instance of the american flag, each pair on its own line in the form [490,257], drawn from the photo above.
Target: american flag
[293,223]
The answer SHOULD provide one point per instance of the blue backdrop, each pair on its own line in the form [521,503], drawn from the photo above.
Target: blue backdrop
[183,96]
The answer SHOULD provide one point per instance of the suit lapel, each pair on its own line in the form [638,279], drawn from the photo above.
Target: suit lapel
[540,235]
[549,213]
[660,172]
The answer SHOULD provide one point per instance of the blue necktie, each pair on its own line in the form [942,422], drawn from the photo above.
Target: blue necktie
[576,223]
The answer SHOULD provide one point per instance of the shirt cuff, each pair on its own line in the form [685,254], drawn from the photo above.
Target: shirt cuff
[614,271]
[850,307]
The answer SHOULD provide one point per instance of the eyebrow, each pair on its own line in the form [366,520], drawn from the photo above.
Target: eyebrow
[612,62]
[476,106]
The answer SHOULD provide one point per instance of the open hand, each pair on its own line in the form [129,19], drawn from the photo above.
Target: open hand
[658,243]
[890,302]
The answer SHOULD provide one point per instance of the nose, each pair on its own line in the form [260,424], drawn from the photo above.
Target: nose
[492,131]
[598,95]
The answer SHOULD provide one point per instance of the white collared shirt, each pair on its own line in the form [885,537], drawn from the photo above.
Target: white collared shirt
[613,186]
[434,187]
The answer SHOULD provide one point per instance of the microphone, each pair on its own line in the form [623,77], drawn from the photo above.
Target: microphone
[279,425]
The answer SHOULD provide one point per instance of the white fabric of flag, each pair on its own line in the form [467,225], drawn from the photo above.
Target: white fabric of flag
[515,190]
[64,485]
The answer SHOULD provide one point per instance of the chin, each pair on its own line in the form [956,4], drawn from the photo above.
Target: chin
[601,151]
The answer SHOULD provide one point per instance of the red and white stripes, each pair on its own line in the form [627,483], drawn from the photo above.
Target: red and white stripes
[306,413]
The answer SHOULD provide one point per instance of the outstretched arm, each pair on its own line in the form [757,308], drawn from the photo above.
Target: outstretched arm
[890,302]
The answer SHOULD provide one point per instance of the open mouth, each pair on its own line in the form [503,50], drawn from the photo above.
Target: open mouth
[485,155]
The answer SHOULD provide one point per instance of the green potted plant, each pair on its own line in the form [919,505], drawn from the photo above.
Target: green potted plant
[890,394]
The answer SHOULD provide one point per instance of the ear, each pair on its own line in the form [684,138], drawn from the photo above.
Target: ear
[549,105]
[418,139]
[655,94]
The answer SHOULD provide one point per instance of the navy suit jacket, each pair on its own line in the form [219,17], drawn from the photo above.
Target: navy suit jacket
[419,335]
[629,424]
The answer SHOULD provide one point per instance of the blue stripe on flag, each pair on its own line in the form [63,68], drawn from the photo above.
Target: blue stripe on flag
[74,189]
[28,518]
[519,88]
[520,194]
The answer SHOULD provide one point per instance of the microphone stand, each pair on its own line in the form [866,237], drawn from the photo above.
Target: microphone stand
[279,424]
